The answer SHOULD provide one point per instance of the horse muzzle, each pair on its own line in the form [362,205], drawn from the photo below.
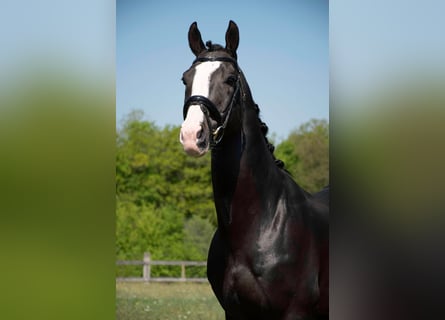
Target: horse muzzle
[195,134]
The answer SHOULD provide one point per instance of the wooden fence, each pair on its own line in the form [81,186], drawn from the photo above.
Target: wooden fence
[146,264]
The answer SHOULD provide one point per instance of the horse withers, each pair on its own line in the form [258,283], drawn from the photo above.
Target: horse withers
[269,256]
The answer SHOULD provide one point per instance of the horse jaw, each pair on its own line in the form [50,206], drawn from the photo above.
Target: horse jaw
[194,135]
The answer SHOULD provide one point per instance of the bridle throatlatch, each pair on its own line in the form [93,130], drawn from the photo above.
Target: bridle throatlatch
[210,110]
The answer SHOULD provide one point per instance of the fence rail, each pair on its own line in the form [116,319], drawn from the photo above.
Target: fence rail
[146,264]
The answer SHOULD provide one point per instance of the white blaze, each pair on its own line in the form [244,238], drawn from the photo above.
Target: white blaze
[195,117]
[203,74]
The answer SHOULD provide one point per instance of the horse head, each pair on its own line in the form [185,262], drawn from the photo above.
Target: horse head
[213,87]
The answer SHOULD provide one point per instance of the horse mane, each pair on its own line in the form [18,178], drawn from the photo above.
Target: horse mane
[270,146]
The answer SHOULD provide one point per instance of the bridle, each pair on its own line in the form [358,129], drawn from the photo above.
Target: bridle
[208,107]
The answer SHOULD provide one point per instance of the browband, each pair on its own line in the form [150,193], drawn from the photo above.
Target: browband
[222,59]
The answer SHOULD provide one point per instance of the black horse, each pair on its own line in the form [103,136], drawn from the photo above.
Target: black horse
[269,256]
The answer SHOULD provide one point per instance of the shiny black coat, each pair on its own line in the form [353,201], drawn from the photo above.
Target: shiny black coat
[269,256]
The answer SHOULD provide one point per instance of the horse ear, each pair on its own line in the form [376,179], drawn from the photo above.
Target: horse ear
[232,38]
[195,40]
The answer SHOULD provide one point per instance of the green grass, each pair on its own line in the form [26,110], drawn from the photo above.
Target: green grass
[166,301]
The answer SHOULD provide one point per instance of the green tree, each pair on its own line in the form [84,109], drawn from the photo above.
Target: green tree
[198,233]
[152,169]
[143,228]
[164,198]
[305,153]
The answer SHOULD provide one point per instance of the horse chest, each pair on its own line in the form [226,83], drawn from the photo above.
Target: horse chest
[264,274]
[243,292]
[255,283]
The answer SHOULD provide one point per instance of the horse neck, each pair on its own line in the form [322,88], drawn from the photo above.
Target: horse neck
[242,166]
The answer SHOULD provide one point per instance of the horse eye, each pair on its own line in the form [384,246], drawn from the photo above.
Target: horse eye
[231,81]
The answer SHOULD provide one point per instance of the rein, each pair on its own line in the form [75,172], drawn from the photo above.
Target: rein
[208,107]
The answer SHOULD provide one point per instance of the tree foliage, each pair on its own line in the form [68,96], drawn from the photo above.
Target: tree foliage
[160,193]
[164,200]
[306,154]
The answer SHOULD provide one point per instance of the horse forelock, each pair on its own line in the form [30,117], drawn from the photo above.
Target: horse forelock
[213,47]
[215,50]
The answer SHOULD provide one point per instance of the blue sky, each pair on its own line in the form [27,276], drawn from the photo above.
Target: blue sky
[283,52]
[375,44]
[283,49]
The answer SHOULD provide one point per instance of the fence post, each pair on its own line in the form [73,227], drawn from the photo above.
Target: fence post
[146,267]
[182,271]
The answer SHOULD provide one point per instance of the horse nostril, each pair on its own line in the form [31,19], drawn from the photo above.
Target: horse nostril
[199,134]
